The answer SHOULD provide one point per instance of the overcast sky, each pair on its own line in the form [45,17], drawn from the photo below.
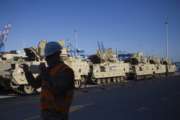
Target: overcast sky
[127,25]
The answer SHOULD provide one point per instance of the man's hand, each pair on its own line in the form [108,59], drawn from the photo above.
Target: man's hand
[25,67]
[29,76]
[42,68]
[43,71]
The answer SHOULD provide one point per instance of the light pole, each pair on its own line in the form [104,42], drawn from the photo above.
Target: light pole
[167,37]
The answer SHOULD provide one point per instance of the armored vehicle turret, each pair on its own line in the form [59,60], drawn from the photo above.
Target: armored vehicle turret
[105,68]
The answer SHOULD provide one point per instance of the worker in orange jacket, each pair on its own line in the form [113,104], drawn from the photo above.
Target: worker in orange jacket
[56,82]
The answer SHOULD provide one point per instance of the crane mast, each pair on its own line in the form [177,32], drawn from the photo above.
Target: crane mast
[3,36]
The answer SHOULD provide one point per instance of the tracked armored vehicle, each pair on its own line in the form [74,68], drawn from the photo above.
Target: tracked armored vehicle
[170,67]
[79,66]
[140,68]
[105,68]
[159,68]
[12,75]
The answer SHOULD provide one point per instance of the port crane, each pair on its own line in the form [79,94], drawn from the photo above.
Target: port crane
[3,36]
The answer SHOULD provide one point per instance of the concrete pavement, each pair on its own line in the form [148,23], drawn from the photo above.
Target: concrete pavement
[141,100]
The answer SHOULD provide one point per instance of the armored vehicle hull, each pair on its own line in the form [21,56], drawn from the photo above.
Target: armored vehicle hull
[105,67]
[171,68]
[142,71]
[80,68]
[159,70]
[12,75]
[108,72]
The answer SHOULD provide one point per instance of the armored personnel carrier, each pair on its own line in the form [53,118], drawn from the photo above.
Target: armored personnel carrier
[105,68]
[80,66]
[141,68]
[159,68]
[170,67]
[177,66]
[12,75]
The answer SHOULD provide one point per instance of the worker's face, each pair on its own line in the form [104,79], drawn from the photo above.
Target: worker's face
[55,58]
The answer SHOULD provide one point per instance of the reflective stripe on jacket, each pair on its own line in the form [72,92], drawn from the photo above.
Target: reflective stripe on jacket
[50,100]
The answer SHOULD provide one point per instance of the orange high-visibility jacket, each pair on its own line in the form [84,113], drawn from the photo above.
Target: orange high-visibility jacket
[52,101]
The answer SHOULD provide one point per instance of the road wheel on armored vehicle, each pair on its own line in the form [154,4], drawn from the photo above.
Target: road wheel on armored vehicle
[98,81]
[77,83]
[84,80]
[22,89]
[81,83]
[109,81]
[28,89]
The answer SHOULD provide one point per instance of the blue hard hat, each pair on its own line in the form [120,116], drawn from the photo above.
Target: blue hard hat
[51,48]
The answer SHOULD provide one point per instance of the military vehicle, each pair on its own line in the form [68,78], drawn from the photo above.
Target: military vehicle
[170,67]
[177,66]
[12,75]
[100,68]
[105,68]
[79,66]
[159,68]
[140,68]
